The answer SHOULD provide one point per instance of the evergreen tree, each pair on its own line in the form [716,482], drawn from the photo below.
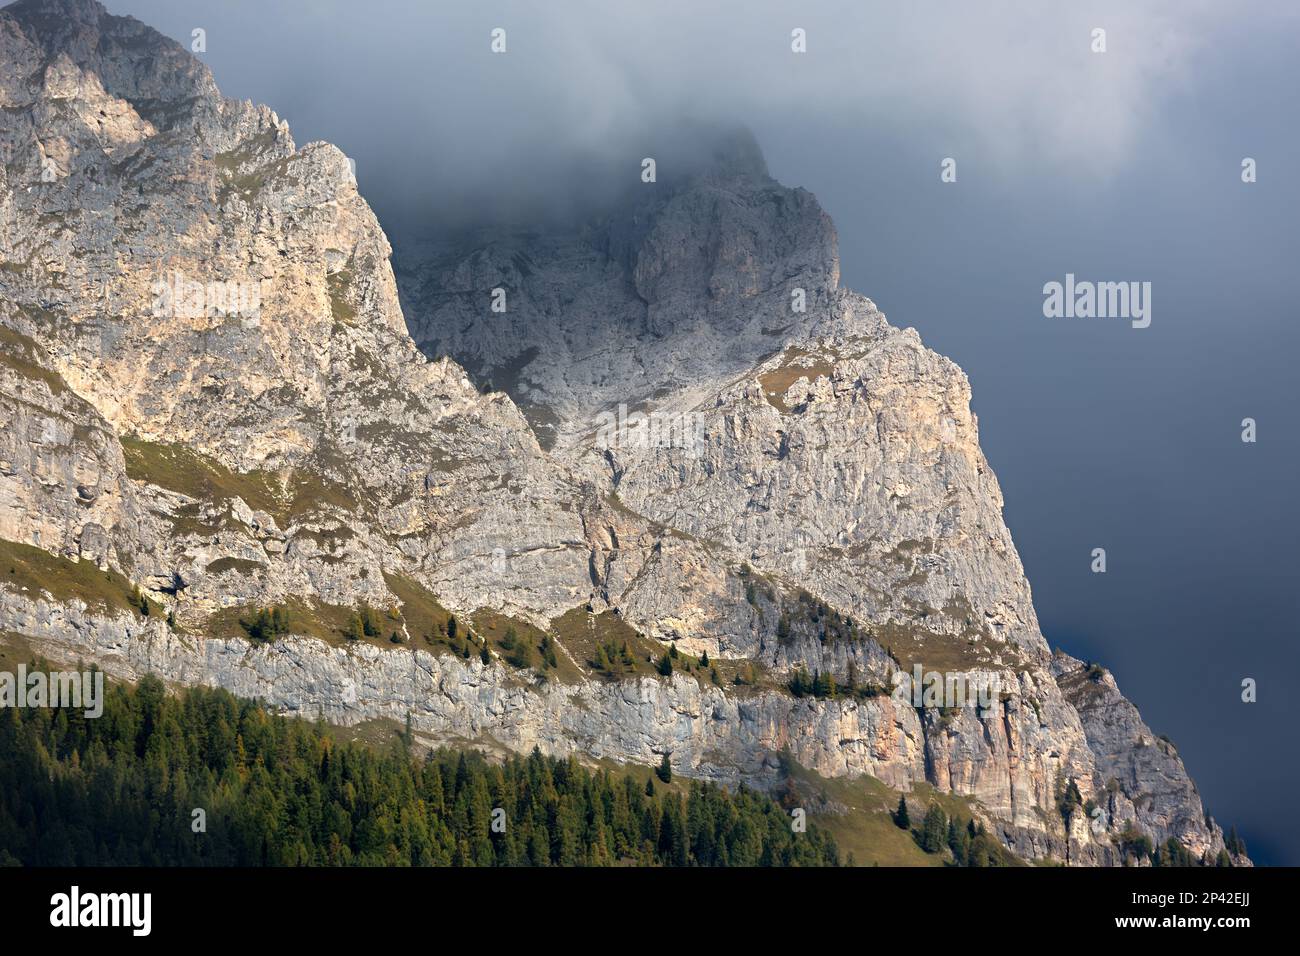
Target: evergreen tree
[369,621]
[933,829]
[665,770]
[901,819]
[1234,843]
[518,653]
[287,794]
[548,652]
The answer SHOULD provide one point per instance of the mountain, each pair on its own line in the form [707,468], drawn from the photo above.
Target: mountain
[226,461]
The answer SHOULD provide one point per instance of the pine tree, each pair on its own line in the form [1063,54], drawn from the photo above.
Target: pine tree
[665,770]
[1235,844]
[958,842]
[901,819]
[933,829]
[369,621]
[520,654]
[347,804]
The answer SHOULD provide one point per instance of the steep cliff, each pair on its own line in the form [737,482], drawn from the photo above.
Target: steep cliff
[209,393]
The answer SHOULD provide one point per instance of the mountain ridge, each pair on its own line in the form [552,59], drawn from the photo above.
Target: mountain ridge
[837,513]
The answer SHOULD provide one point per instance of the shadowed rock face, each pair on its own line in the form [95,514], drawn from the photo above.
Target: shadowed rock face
[207,387]
[687,283]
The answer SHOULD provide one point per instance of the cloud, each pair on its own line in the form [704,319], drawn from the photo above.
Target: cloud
[413,92]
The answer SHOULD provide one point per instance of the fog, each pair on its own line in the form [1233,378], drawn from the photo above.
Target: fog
[1115,166]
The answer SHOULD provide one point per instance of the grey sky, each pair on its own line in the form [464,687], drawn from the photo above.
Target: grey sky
[1115,166]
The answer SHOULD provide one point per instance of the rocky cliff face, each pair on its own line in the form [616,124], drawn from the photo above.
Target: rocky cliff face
[692,437]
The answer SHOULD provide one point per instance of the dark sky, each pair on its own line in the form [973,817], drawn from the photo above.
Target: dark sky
[1123,165]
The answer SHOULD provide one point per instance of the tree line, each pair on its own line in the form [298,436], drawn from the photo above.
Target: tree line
[123,789]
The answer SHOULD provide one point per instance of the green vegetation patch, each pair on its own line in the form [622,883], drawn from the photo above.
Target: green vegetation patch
[860,814]
[238,565]
[611,648]
[325,622]
[796,363]
[25,568]
[587,636]
[181,469]
[521,644]
[428,622]
[243,171]
[911,644]
[338,284]
[279,791]
[20,353]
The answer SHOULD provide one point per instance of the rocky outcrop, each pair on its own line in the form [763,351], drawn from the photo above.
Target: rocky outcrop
[706,732]
[685,284]
[680,419]
[1139,775]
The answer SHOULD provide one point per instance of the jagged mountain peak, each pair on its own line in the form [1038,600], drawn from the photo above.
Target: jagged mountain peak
[680,284]
[132,61]
[55,17]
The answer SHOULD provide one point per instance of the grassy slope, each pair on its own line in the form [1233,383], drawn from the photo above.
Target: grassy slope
[178,468]
[865,827]
[28,569]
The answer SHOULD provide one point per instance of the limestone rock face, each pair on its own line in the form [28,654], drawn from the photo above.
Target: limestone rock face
[707,732]
[1140,776]
[680,423]
[63,483]
[686,283]
[205,285]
